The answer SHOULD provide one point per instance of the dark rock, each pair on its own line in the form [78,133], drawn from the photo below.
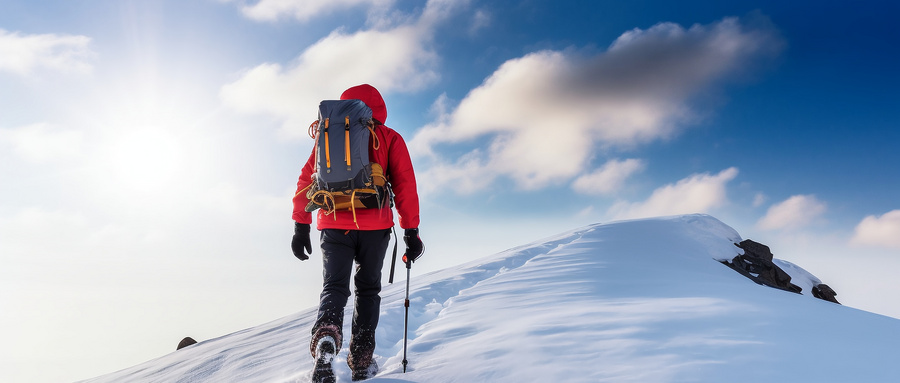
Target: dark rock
[755,249]
[822,291]
[756,264]
[187,341]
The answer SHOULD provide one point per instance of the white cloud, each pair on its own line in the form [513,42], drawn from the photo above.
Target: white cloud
[609,178]
[879,231]
[698,193]
[468,175]
[436,11]
[480,20]
[304,10]
[22,54]
[539,118]
[401,60]
[330,66]
[792,213]
[42,142]
[759,199]
[301,10]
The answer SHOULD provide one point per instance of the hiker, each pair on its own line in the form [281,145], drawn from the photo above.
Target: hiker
[357,235]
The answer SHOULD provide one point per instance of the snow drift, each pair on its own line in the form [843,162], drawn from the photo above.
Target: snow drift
[633,301]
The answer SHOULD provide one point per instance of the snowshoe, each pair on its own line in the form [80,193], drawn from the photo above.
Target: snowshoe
[325,351]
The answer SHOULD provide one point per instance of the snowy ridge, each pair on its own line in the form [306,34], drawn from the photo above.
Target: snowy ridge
[632,301]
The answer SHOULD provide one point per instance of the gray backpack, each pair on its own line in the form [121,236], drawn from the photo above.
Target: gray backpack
[345,179]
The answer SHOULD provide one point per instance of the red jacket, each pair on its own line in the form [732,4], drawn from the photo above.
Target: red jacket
[393,157]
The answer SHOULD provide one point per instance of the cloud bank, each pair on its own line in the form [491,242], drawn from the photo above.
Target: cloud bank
[22,54]
[401,60]
[608,178]
[327,68]
[698,193]
[301,10]
[541,118]
[879,231]
[43,142]
[793,213]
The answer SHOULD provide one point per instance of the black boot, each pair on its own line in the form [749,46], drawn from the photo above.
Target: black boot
[365,373]
[361,358]
[325,351]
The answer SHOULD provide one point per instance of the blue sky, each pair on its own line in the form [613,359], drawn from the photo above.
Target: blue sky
[149,150]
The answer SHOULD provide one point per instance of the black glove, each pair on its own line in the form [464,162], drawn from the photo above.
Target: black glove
[414,246]
[301,241]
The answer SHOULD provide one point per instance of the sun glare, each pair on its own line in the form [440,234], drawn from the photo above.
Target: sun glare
[146,159]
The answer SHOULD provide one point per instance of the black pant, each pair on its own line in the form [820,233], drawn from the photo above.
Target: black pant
[340,250]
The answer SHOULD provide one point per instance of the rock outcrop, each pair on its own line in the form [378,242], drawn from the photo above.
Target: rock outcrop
[187,341]
[757,264]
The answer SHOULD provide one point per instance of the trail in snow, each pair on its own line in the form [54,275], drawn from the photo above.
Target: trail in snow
[431,294]
[278,351]
[634,301]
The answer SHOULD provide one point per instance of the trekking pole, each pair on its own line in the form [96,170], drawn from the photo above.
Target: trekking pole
[406,315]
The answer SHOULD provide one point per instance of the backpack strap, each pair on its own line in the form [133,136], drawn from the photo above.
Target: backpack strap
[313,132]
[376,144]
[327,153]
[347,141]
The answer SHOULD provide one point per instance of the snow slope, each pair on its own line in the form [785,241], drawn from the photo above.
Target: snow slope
[633,301]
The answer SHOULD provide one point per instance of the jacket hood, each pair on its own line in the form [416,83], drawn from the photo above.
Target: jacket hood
[370,96]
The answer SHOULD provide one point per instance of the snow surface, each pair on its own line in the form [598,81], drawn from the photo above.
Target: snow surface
[632,301]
